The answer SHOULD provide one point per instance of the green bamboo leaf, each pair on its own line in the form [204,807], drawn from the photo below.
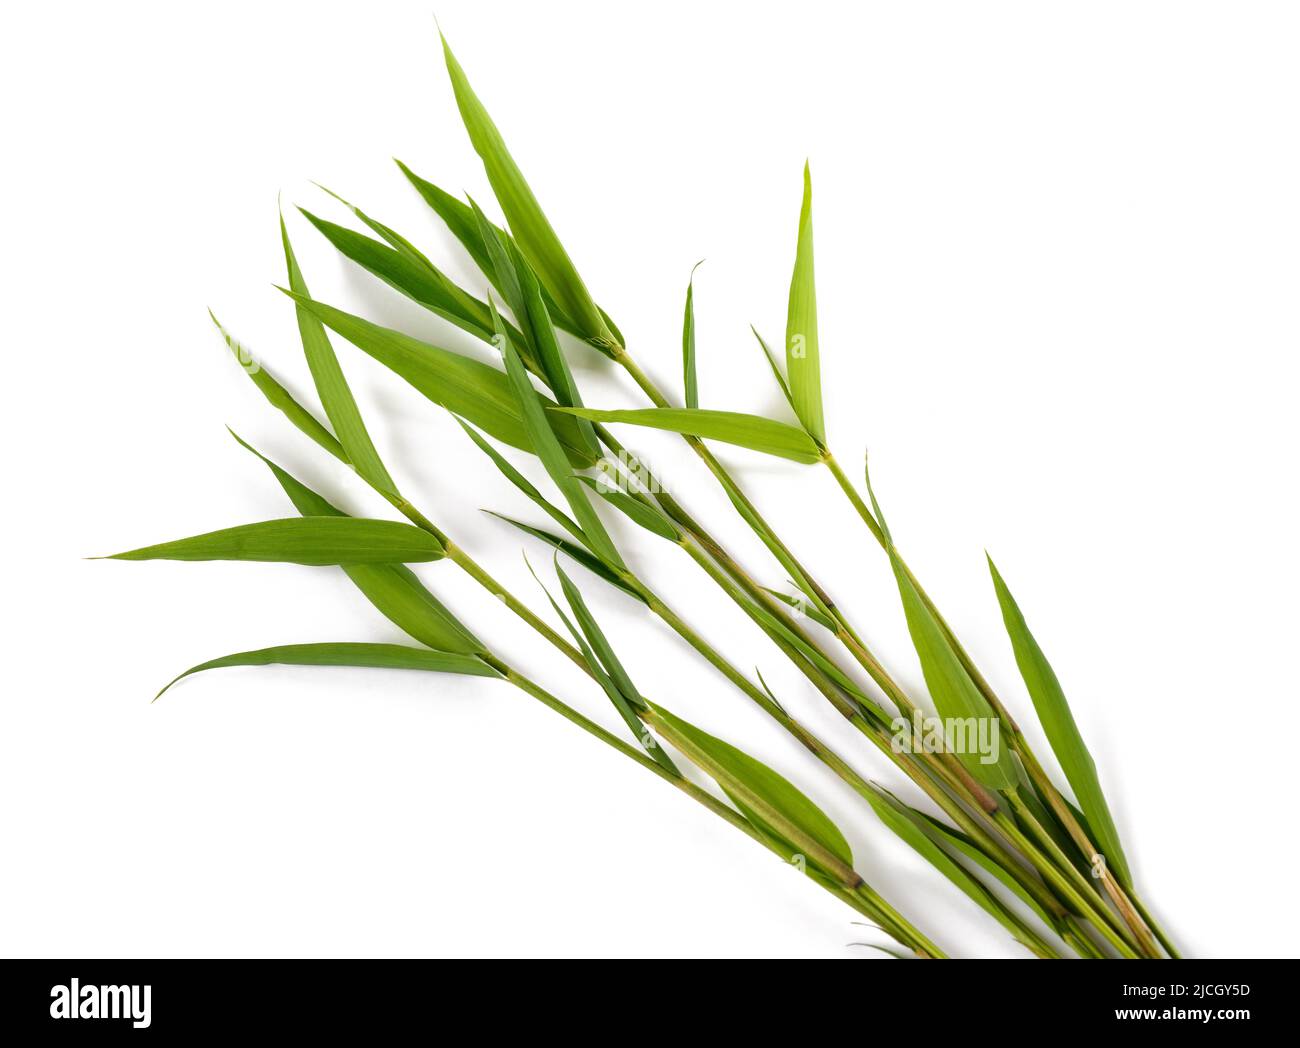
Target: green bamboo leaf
[302,540]
[573,551]
[775,701]
[632,701]
[548,448]
[537,323]
[955,695]
[901,820]
[787,638]
[782,555]
[619,700]
[955,840]
[731,427]
[460,221]
[335,395]
[897,955]
[533,232]
[690,379]
[535,336]
[802,360]
[494,243]
[281,398]
[456,215]
[391,236]
[523,484]
[1060,727]
[639,511]
[801,605]
[465,387]
[394,589]
[767,799]
[344,653]
[776,369]
[421,282]
[600,644]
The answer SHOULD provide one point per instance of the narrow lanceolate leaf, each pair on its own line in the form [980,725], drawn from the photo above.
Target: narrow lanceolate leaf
[531,229]
[690,378]
[344,653]
[391,236]
[627,700]
[460,220]
[910,827]
[955,695]
[547,445]
[776,369]
[573,551]
[596,637]
[302,540]
[410,274]
[801,356]
[731,427]
[535,338]
[524,484]
[767,799]
[790,641]
[775,547]
[469,388]
[955,840]
[538,326]
[335,395]
[1061,730]
[802,607]
[606,682]
[505,278]
[639,510]
[393,589]
[281,398]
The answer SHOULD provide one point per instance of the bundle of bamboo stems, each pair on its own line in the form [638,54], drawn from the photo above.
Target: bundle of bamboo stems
[1049,868]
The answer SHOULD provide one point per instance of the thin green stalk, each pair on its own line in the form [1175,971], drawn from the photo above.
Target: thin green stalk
[454,553]
[969,787]
[862,899]
[647,386]
[844,631]
[479,574]
[897,920]
[1154,925]
[818,748]
[837,764]
[1108,880]
[1067,883]
[909,763]
[472,568]
[1124,901]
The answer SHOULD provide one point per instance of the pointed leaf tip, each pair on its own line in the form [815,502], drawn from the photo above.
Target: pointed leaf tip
[803,360]
[532,230]
[1060,727]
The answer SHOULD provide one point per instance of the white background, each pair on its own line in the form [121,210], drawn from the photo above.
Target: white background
[1057,268]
